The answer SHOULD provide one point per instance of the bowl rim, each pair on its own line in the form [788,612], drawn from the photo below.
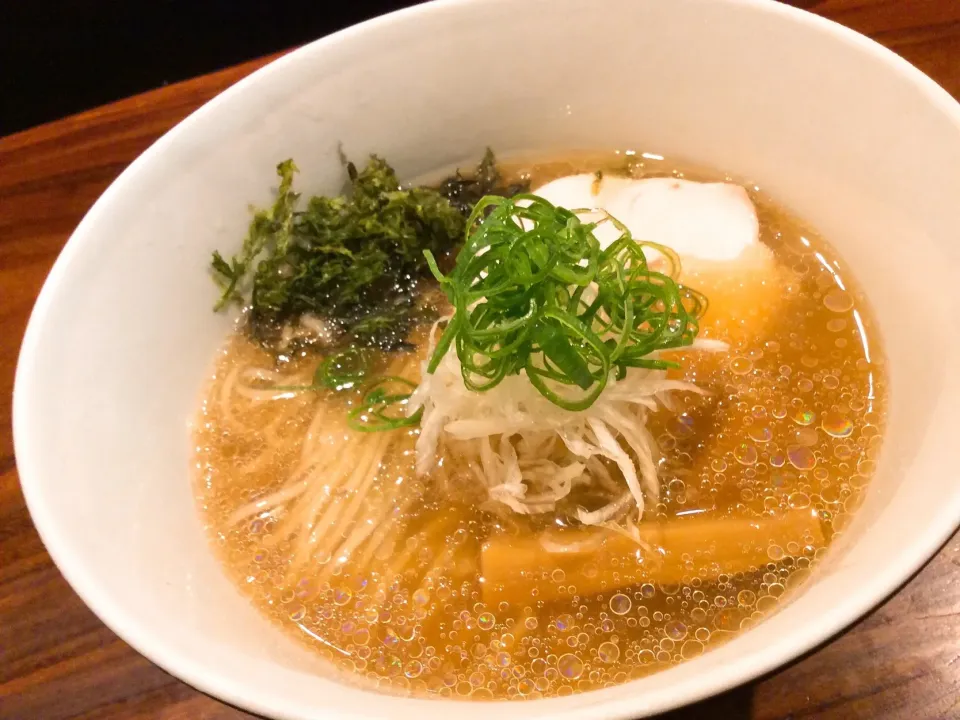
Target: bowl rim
[139,633]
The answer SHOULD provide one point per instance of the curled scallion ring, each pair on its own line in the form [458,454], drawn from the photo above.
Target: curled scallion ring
[343,370]
[382,406]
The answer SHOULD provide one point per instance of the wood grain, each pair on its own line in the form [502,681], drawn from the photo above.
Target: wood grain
[58,661]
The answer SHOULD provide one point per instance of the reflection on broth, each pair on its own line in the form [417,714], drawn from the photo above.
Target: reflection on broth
[432,583]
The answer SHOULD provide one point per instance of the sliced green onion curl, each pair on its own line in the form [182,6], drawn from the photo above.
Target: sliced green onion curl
[382,406]
[341,370]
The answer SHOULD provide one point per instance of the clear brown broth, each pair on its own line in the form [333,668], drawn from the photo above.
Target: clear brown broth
[794,422]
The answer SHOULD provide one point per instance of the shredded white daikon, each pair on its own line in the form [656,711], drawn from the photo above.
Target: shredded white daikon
[513,430]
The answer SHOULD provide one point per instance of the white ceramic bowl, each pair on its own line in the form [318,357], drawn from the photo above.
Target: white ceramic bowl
[845,133]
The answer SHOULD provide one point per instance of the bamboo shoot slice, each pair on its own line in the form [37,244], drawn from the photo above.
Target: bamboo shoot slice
[518,569]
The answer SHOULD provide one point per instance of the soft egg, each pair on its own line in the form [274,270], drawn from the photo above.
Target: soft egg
[714,229]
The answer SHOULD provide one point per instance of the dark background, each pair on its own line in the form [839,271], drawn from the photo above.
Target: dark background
[59,57]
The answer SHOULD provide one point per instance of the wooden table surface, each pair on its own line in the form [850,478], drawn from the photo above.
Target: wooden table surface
[58,661]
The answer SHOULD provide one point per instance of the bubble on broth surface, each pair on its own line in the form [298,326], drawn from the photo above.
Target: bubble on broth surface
[745,453]
[570,666]
[838,301]
[837,424]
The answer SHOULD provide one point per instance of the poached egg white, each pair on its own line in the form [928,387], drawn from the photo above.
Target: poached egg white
[707,221]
